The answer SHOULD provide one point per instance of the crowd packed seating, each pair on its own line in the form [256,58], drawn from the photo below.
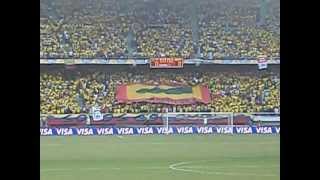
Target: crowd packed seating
[225,29]
[231,91]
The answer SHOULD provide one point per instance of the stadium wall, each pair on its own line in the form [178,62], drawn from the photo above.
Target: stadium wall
[186,68]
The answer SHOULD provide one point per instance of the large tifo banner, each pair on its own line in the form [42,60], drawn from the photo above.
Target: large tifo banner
[94,131]
[162,94]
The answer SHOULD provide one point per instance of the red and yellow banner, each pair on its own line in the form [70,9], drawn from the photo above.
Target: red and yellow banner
[163,94]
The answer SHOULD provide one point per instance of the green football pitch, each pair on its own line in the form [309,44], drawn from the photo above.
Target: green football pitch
[188,157]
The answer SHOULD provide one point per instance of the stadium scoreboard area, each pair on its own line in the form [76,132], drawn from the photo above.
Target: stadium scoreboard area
[166,63]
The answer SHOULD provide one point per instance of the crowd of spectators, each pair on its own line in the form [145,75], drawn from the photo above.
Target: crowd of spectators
[58,94]
[75,93]
[100,29]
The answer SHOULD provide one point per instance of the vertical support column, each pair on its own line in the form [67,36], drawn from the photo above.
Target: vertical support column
[263,11]
[195,26]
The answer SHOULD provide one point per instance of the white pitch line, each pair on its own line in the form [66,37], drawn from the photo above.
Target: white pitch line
[53,170]
[51,144]
[155,168]
[81,169]
[176,168]
[94,169]
[231,166]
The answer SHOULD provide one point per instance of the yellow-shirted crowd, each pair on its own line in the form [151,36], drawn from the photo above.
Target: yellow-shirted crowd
[217,29]
[58,95]
[225,29]
[231,92]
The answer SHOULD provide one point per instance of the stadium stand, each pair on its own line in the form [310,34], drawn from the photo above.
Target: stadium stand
[222,29]
[73,92]
[167,70]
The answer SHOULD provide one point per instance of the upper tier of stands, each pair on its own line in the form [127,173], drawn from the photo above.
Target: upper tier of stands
[211,29]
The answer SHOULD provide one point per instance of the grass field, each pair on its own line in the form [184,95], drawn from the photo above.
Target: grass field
[189,157]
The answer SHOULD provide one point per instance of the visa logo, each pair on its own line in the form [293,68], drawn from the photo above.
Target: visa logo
[125,130]
[85,131]
[45,131]
[146,130]
[164,130]
[105,131]
[244,130]
[224,130]
[204,130]
[64,131]
[264,130]
[185,130]
[277,130]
